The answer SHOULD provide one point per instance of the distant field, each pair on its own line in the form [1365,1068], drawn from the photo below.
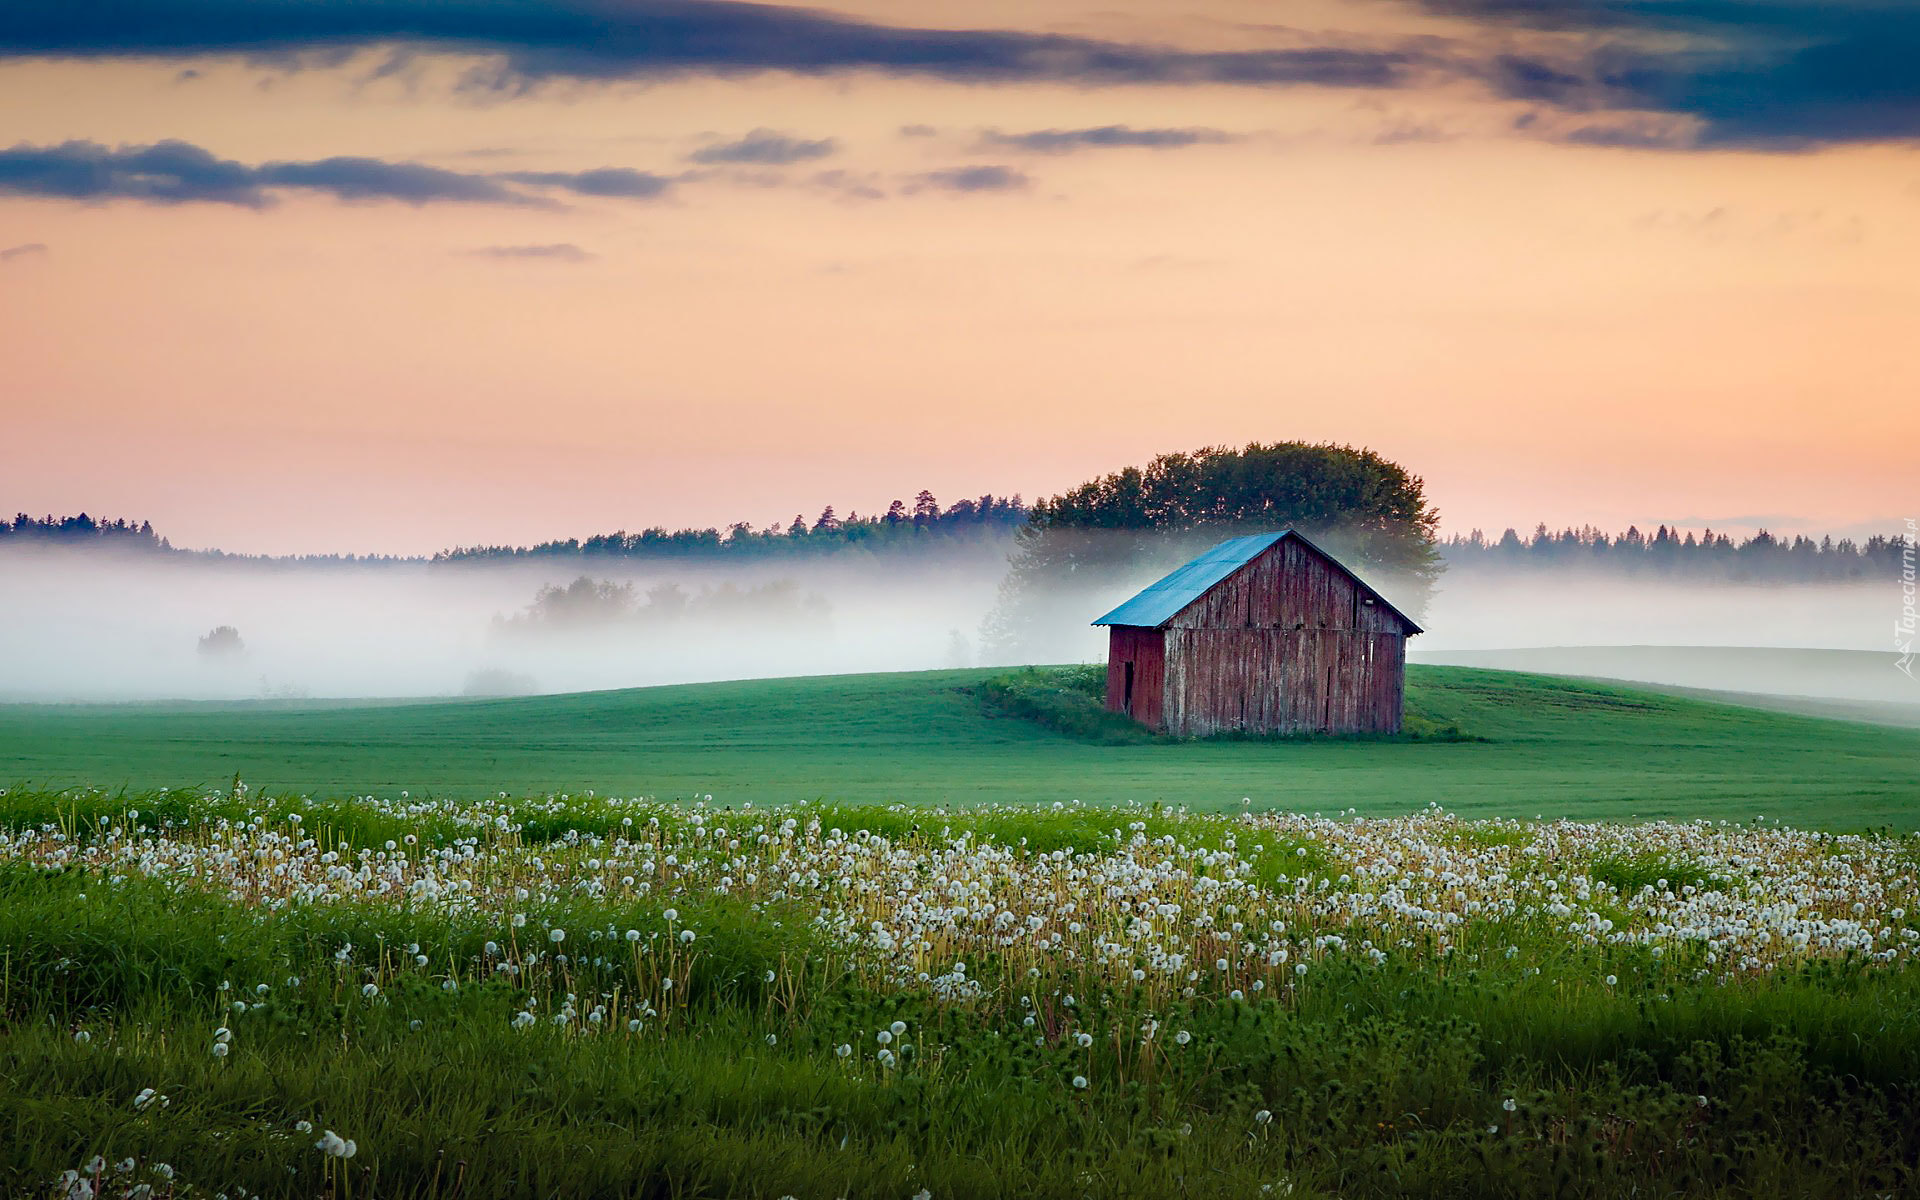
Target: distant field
[1557,747]
[1857,685]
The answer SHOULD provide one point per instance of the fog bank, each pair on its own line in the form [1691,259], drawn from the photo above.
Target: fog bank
[90,625]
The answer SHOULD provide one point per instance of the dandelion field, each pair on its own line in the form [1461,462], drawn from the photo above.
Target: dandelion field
[210,993]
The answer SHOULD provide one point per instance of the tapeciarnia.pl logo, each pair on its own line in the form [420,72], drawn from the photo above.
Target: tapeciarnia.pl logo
[1903,629]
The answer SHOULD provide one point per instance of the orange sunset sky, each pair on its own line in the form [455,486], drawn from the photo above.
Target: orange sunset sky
[296,276]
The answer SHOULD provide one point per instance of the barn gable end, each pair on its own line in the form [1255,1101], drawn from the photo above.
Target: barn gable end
[1262,634]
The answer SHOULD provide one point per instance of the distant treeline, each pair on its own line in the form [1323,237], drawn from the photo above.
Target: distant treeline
[924,526]
[1710,556]
[82,530]
[90,532]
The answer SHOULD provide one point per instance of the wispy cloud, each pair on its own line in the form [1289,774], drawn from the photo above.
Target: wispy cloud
[24,250]
[970,179]
[765,148]
[553,252]
[621,182]
[177,172]
[1063,141]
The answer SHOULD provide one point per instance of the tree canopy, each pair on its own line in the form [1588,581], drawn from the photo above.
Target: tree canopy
[1359,505]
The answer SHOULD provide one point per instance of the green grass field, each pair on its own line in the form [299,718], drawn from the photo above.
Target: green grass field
[251,994]
[1555,747]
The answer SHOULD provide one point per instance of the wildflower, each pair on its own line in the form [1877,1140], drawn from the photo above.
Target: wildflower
[96,1164]
[686,937]
[335,1146]
[1612,980]
[884,1036]
[1182,1038]
[773,1039]
[303,1126]
[220,1049]
[223,1034]
[633,935]
[1083,1039]
[1509,1104]
[633,1026]
[1262,1117]
[1080,1081]
[556,936]
[672,915]
[844,1050]
[898,1027]
[370,991]
[82,1036]
[768,977]
[147,1096]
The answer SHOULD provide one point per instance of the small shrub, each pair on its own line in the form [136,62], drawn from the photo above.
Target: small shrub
[1068,700]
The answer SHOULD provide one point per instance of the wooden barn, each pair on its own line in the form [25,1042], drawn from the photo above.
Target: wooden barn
[1268,634]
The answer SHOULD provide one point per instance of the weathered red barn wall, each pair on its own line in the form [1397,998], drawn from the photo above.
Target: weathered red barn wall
[1286,644]
[1145,649]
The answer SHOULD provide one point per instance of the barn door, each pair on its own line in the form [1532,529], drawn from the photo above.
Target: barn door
[1126,702]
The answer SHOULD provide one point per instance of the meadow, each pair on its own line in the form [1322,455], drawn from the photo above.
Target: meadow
[216,994]
[1554,747]
[910,946]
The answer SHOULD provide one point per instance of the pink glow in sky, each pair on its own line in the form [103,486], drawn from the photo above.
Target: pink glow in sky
[1005,272]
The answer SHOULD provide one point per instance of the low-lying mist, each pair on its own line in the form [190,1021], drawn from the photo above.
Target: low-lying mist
[93,625]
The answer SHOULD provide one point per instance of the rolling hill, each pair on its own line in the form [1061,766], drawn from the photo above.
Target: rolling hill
[1555,747]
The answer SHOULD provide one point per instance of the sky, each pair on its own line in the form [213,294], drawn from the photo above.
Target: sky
[292,276]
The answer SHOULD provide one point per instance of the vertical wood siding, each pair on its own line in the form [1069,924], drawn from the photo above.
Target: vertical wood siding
[1286,644]
[1144,649]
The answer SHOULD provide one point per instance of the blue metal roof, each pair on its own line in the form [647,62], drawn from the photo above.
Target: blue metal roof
[1160,602]
[1163,601]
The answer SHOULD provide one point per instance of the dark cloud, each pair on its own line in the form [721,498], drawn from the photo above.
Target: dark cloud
[1062,141]
[376,179]
[765,148]
[175,172]
[1766,74]
[971,179]
[556,252]
[535,40]
[1757,74]
[24,250]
